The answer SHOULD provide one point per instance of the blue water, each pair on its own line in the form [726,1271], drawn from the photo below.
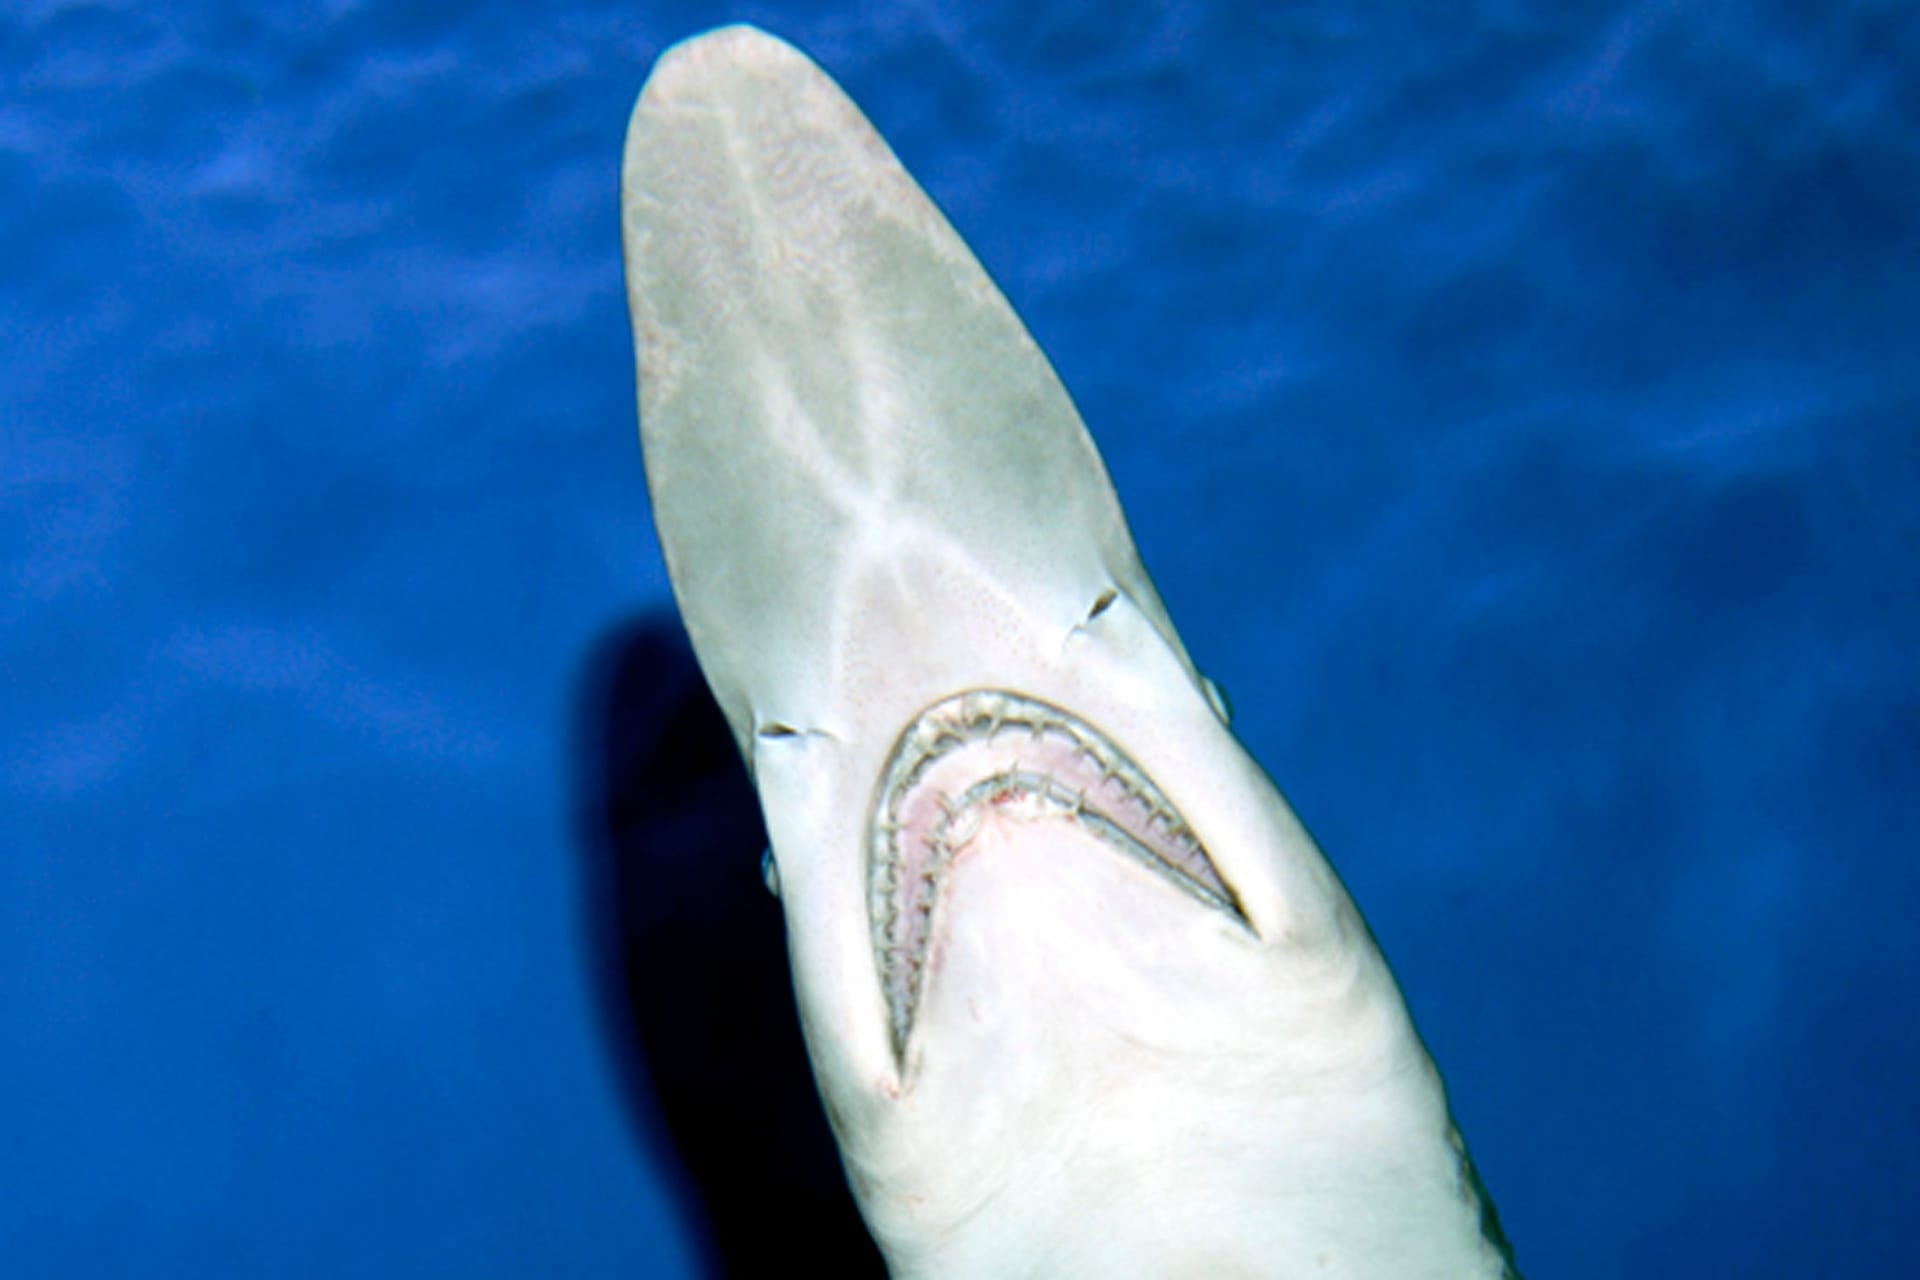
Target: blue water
[1519,413]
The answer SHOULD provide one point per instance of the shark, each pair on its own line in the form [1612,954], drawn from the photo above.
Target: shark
[1081,995]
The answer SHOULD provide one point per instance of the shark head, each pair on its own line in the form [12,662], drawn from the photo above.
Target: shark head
[1081,994]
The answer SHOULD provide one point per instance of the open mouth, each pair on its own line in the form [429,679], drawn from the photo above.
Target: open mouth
[990,754]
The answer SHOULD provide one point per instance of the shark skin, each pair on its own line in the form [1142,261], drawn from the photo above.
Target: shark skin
[1082,996]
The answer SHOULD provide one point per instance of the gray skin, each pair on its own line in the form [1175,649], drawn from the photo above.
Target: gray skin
[874,495]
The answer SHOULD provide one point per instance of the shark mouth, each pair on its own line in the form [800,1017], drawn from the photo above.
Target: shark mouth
[991,753]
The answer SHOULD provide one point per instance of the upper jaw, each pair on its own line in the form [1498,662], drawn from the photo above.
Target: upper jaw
[1001,756]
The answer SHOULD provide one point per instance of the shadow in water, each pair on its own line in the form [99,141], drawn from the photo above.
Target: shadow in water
[691,967]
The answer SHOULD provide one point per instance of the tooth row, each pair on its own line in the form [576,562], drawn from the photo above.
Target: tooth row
[902,922]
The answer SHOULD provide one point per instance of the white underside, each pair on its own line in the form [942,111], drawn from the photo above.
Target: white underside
[873,495]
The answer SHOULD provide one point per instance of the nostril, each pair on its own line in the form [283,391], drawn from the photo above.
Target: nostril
[1101,605]
[774,729]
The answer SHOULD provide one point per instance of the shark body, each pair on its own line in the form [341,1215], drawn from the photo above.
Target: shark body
[1082,996]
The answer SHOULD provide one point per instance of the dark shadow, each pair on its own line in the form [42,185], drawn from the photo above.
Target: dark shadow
[691,968]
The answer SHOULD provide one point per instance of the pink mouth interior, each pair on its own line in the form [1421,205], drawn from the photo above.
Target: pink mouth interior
[998,754]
